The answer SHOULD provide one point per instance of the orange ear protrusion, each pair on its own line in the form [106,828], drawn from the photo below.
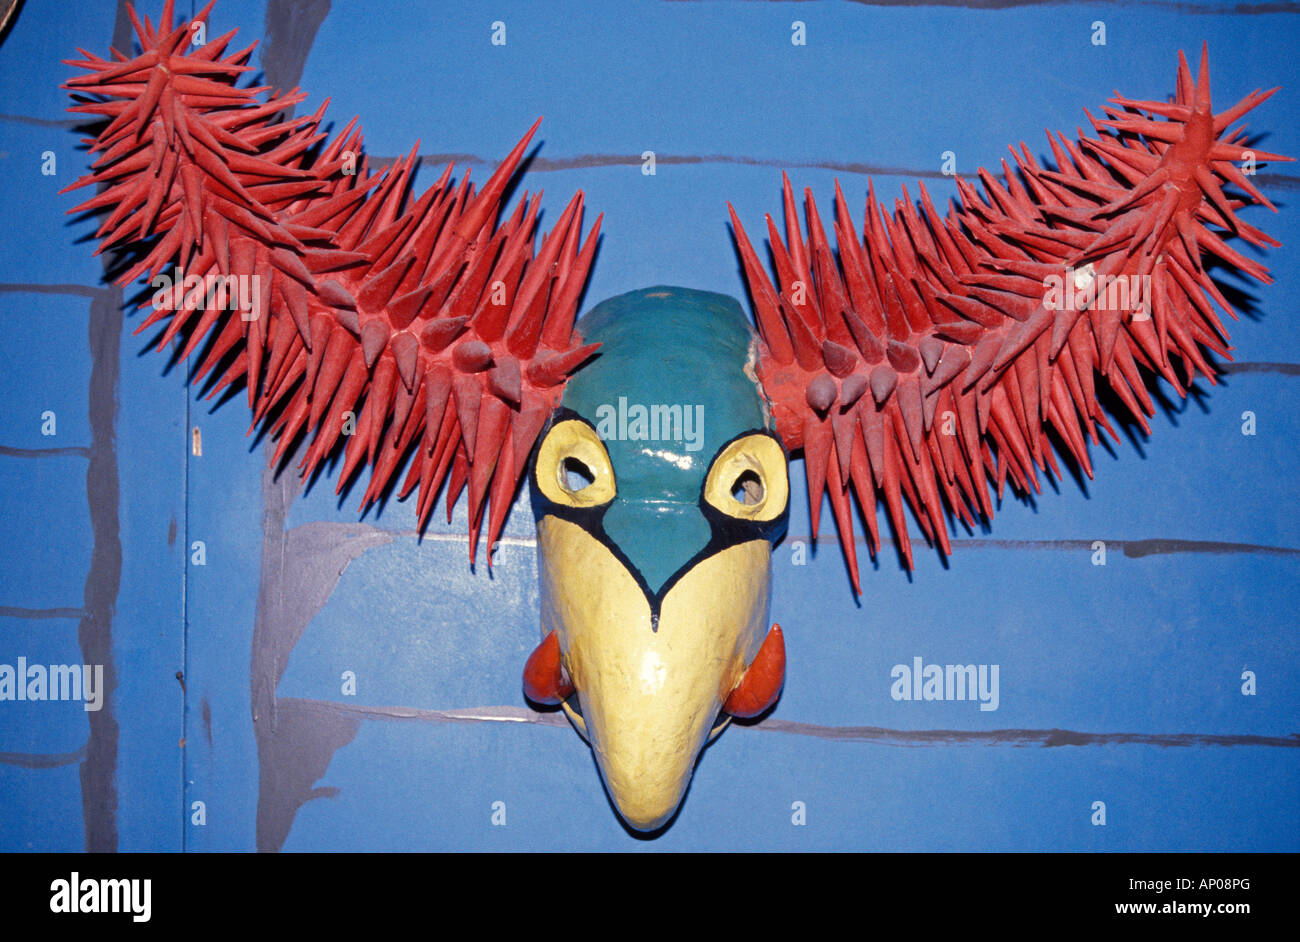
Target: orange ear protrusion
[544,678]
[762,682]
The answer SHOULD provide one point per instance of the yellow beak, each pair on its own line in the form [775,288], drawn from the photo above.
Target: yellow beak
[650,695]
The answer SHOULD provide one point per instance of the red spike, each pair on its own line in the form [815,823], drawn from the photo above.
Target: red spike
[374,338]
[555,369]
[505,481]
[406,354]
[437,334]
[489,437]
[817,457]
[504,381]
[472,356]
[437,389]
[377,291]
[837,489]
[485,205]
[467,395]
[559,325]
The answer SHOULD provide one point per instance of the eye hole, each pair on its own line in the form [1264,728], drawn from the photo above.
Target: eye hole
[748,488]
[573,467]
[748,479]
[576,475]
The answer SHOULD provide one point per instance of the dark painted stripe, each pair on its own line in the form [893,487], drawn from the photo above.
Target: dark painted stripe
[95,631]
[538,164]
[1134,549]
[1017,737]
[85,291]
[46,122]
[13,611]
[73,450]
[38,760]
[1283,369]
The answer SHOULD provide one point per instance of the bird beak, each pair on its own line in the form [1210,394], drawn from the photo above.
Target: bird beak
[650,692]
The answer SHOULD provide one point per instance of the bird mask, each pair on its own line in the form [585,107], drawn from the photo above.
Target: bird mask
[658,498]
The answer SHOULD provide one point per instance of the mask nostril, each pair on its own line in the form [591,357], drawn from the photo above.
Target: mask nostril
[575,476]
[747,488]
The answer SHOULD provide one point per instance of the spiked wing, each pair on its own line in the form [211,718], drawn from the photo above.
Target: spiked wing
[394,323]
[934,356]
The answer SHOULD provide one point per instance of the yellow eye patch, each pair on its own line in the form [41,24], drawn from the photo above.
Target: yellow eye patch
[573,468]
[748,479]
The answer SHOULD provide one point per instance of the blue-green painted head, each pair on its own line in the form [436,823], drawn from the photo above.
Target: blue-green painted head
[672,384]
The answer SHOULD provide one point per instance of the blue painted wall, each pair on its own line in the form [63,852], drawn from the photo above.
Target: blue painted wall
[1154,645]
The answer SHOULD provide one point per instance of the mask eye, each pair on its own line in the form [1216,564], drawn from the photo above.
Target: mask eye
[573,467]
[577,476]
[748,479]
